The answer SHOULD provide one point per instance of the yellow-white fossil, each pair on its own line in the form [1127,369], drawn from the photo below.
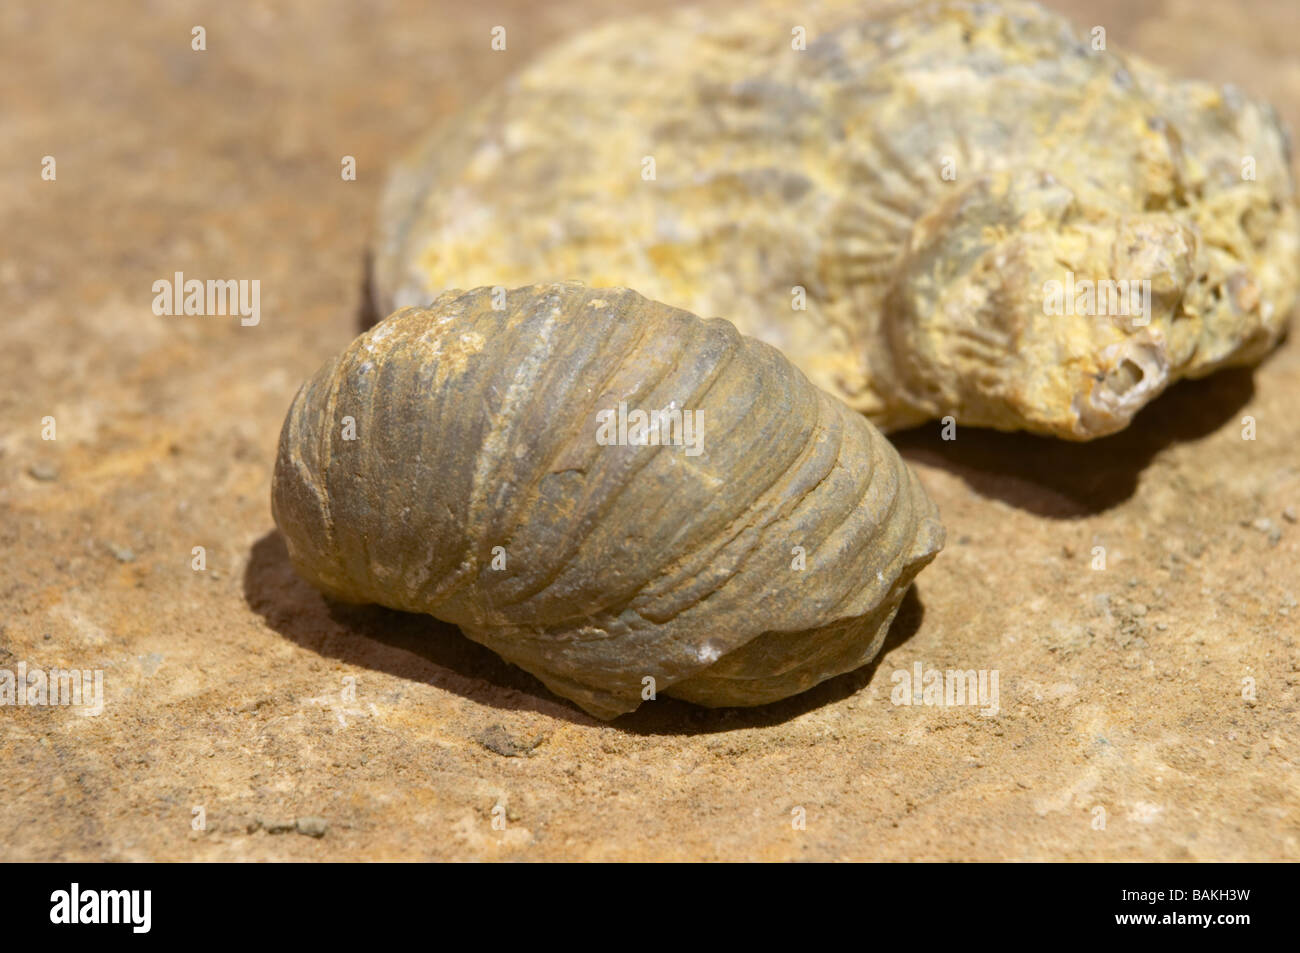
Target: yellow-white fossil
[962,208]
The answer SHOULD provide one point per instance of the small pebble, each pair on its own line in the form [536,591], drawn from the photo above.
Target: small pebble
[1266,525]
[123,554]
[496,739]
[313,826]
[44,472]
[1289,514]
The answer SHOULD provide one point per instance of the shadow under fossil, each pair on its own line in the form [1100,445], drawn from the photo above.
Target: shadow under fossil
[1063,480]
[367,315]
[421,648]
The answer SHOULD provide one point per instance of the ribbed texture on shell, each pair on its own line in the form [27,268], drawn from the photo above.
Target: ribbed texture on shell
[921,171]
[476,428]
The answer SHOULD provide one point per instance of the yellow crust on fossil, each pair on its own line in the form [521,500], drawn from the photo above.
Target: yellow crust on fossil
[924,172]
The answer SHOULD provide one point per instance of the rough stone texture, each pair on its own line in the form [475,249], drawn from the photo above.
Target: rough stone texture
[1120,689]
[464,461]
[923,175]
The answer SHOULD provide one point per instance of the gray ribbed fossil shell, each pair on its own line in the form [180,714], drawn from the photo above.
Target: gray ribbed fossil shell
[478,490]
[923,171]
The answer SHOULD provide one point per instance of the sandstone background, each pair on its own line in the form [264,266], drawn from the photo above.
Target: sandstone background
[1120,689]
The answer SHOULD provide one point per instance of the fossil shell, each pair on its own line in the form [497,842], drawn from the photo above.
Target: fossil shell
[925,174]
[477,428]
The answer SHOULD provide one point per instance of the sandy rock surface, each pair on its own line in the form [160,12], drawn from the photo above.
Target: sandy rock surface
[1147,710]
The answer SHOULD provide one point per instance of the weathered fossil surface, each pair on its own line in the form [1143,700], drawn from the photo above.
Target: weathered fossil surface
[924,173]
[476,428]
